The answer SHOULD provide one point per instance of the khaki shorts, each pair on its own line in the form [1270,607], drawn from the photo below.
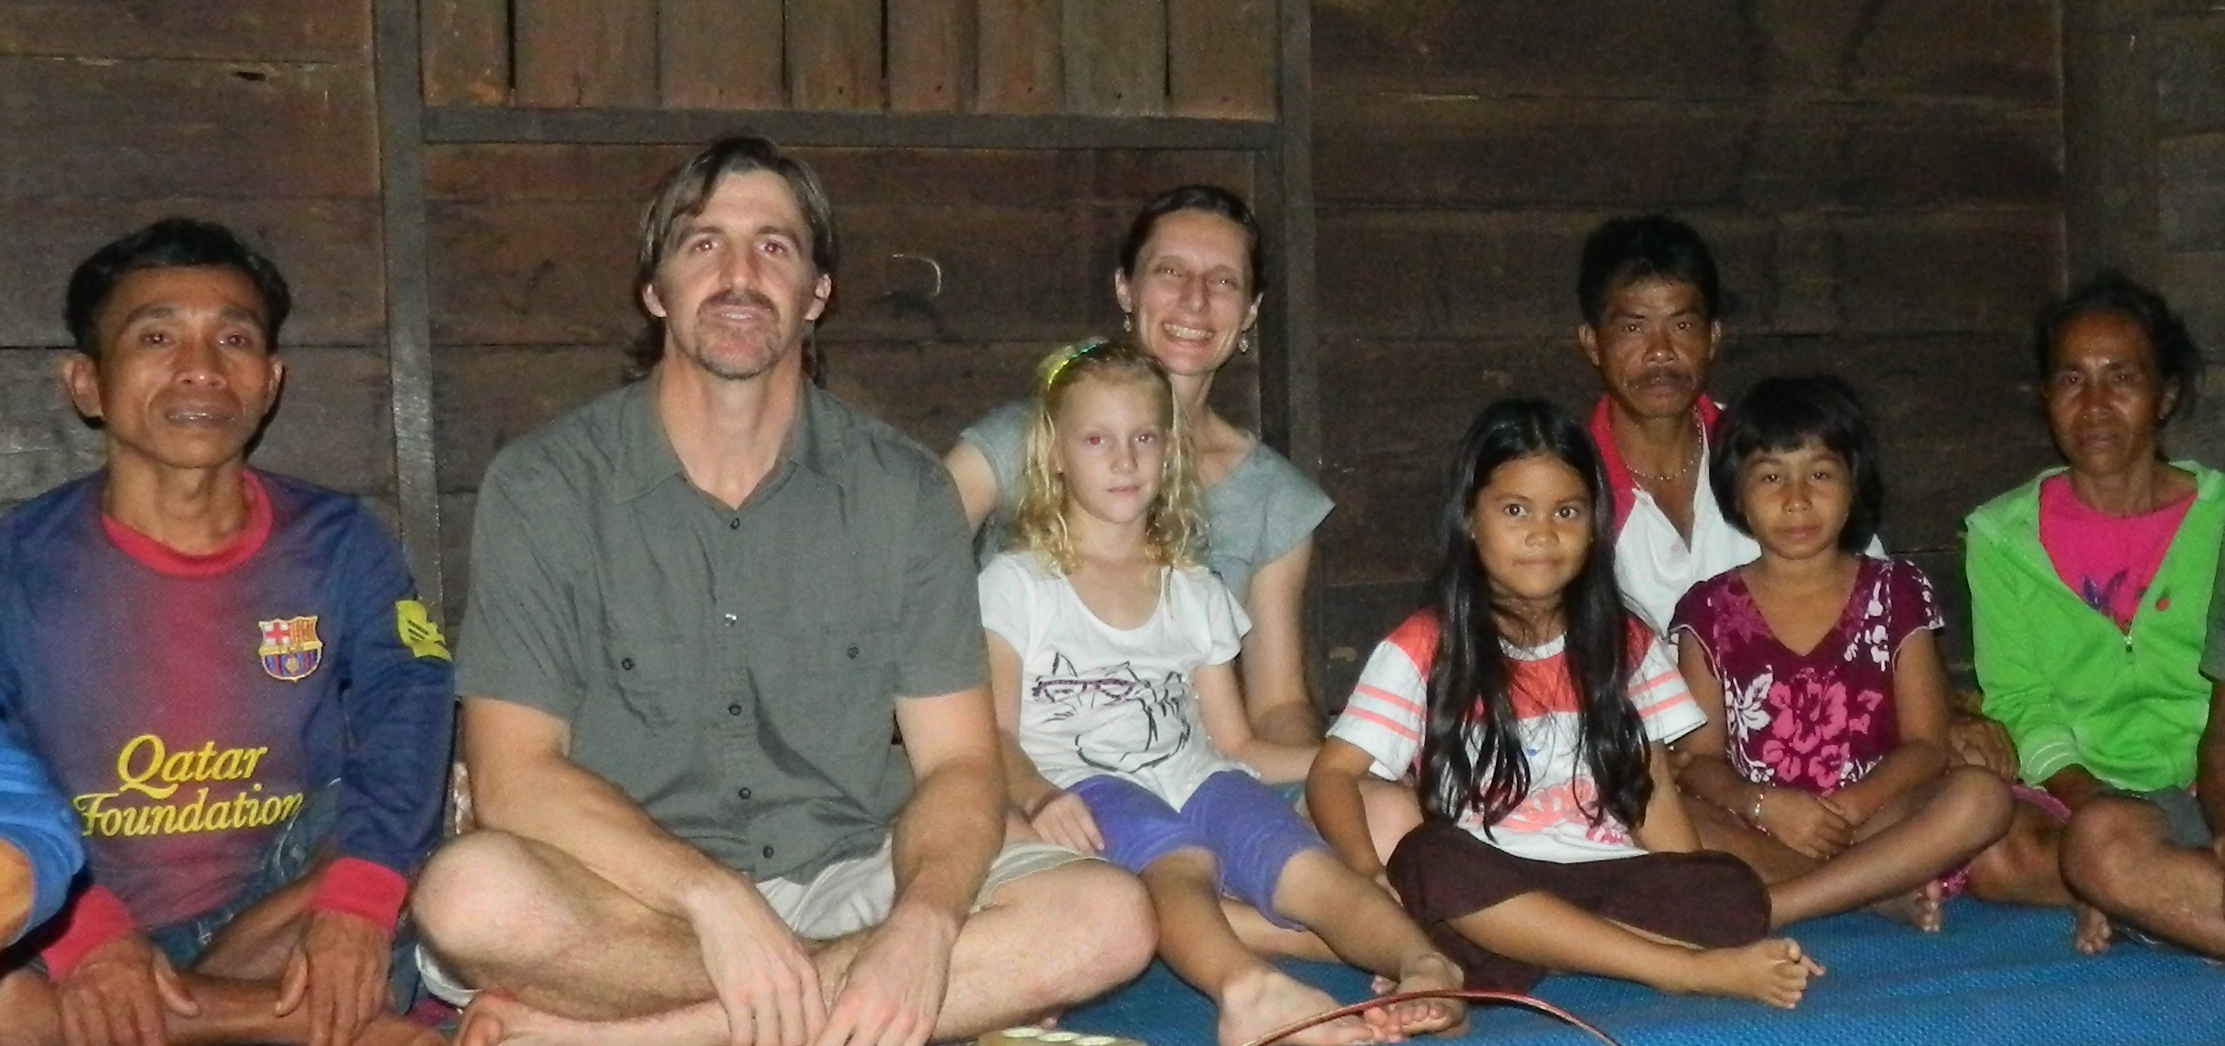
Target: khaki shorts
[845,897]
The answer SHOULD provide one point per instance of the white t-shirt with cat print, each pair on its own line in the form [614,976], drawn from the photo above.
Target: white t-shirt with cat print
[1098,700]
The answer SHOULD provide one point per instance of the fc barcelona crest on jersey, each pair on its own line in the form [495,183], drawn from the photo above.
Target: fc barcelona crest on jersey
[291,649]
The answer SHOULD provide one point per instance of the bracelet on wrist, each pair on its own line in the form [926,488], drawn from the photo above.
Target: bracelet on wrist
[1753,813]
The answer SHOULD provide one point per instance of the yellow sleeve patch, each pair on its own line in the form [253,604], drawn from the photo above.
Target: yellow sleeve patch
[417,630]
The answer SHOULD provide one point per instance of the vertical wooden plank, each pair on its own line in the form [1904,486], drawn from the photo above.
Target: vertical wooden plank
[1222,58]
[1022,68]
[931,48]
[2111,187]
[466,51]
[720,54]
[408,291]
[834,55]
[586,53]
[1290,382]
[1116,57]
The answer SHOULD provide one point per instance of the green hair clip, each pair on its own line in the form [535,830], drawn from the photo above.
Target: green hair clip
[1074,352]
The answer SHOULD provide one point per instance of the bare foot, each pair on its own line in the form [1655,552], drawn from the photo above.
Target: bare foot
[395,1031]
[1922,909]
[2089,931]
[1772,971]
[1255,1003]
[1427,972]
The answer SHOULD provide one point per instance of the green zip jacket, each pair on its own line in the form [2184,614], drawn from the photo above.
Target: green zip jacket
[2073,690]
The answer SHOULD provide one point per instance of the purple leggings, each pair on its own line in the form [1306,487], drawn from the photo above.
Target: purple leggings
[1251,833]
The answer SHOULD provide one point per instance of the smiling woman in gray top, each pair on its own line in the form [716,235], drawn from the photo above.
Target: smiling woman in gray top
[1190,279]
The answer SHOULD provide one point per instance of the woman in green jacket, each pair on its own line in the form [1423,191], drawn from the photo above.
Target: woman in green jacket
[2090,596]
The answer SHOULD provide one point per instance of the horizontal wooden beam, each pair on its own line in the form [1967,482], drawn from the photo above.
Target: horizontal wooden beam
[479,125]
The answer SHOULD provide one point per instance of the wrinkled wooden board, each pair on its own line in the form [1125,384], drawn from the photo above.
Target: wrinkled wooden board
[834,55]
[721,54]
[586,53]
[1223,57]
[1021,66]
[465,50]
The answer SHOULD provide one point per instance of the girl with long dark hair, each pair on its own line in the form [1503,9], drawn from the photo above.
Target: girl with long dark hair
[1533,710]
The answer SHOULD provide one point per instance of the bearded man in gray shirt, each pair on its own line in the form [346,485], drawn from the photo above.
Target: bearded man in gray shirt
[694,602]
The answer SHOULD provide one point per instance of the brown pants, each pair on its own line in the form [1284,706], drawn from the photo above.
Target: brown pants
[1442,873]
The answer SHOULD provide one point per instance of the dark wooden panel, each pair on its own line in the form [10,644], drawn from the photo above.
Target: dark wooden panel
[464,125]
[549,172]
[409,347]
[834,56]
[1222,58]
[1021,69]
[245,30]
[1348,621]
[2004,264]
[466,51]
[42,440]
[1582,48]
[136,130]
[532,272]
[490,395]
[1515,153]
[2190,93]
[586,53]
[2192,170]
[932,52]
[328,249]
[334,421]
[1116,57]
[720,54]
[1995,49]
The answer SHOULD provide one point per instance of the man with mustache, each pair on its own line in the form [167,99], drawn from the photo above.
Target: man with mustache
[228,673]
[1650,297]
[698,606]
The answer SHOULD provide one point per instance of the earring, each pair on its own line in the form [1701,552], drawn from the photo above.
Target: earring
[1244,343]
[1127,323]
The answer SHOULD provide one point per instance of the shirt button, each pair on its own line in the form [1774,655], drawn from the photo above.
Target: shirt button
[851,653]
[626,663]
[768,853]
[733,524]
[733,710]
[744,794]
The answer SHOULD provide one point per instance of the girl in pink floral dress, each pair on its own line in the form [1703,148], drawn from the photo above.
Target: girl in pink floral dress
[1824,761]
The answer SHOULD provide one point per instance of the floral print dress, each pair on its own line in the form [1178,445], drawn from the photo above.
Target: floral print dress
[1817,721]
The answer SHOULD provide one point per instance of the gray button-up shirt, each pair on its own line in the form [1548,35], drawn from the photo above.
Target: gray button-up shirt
[732,671]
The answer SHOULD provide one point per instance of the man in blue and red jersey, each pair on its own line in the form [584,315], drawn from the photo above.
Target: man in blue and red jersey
[227,673]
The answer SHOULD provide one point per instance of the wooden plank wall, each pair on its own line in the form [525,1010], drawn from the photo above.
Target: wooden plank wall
[1214,58]
[2144,129]
[256,113]
[1881,182]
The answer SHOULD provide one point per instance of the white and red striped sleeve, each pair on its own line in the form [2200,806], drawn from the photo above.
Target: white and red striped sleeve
[1389,706]
[1657,690]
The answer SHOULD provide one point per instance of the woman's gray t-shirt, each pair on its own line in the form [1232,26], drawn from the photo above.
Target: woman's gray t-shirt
[1260,511]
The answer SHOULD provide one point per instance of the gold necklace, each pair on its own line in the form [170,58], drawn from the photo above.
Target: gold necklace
[1699,440]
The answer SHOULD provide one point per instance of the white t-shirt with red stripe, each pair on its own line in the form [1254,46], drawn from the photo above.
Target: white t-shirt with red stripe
[1388,713]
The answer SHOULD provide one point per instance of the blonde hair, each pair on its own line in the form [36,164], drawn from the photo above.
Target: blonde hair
[1174,526]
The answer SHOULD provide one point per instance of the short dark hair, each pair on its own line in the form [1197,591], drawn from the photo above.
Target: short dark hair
[1211,199]
[1645,247]
[172,243]
[1780,414]
[681,196]
[2177,358]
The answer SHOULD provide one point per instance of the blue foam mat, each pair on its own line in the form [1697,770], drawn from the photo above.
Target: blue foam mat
[1996,975]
